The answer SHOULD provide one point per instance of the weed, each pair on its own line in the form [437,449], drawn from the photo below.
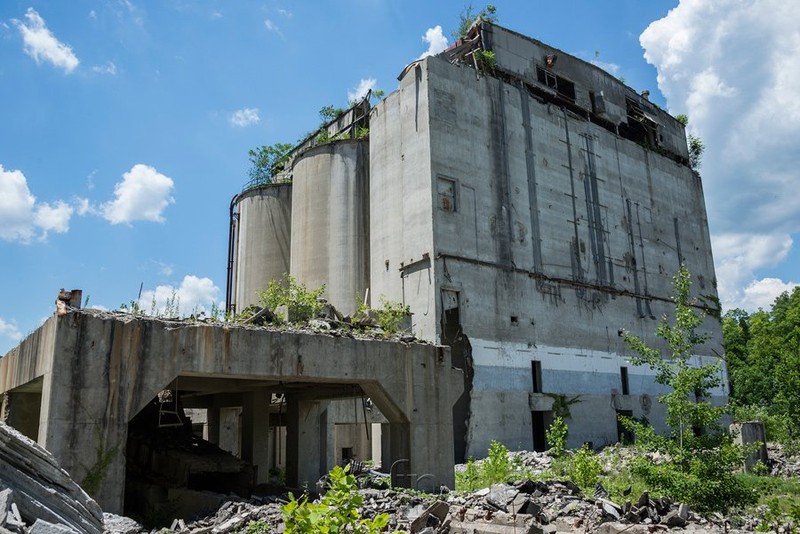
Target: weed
[390,315]
[97,472]
[557,437]
[337,511]
[585,468]
[302,304]
[485,59]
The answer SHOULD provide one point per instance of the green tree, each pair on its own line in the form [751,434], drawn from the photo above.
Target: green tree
[696,145]
[266,161]
[703,457]
[468,16]
[763,354]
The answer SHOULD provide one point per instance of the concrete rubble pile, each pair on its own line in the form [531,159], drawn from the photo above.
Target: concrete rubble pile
[36,495]
[523,507]
[782,464]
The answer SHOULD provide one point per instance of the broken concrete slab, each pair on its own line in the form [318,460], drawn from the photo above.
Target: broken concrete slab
[41,489]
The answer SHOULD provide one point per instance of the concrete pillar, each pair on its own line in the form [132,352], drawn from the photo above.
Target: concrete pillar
[255,433]
[23,411]
[747,433]
[212,424]
[306,441]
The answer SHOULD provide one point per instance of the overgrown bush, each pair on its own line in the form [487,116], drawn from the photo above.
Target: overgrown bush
[337,511]
[302,304]
[391,314]
[557,437]
[496,468]
[585,468]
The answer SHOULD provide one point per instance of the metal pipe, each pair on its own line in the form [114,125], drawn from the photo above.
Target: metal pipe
[231,235]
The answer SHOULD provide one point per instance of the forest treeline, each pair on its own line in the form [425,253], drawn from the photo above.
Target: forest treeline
[763,355]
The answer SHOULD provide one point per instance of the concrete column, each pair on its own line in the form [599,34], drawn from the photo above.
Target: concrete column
[306,431]
[212,424]
[255,433]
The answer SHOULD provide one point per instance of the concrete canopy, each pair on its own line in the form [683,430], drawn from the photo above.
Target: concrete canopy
[96,370]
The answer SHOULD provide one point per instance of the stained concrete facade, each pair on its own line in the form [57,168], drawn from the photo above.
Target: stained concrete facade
[525,227]
[88,373]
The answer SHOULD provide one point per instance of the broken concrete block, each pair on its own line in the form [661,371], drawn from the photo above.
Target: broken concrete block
[43,527]
[6,500]
[42,489]
[433,516]
[117,524]
[500,496]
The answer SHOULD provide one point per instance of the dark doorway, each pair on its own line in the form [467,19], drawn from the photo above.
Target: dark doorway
[461,354]
[538,423]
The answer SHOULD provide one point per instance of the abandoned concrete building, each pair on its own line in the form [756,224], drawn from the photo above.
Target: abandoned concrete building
[525,204]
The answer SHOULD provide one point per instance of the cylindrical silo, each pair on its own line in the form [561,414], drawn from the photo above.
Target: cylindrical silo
[330,220]
[260,241]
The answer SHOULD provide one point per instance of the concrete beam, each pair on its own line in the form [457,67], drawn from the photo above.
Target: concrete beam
[100,369]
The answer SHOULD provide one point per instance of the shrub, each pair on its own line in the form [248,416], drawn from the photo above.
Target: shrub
[337,511]
[585,468]
[557,437]
[301,303]
[390,315]
[497,465]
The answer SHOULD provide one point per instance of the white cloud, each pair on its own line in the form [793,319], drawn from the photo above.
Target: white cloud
[272,27]
[9,329]
[364,86]
[108,68]
[142,195]
[436,40]
[16,206]
[92,14]
[285,13]
[53,218]
[21,217]
[42,45]
[192,296]
[244,117]
[733,66]
[762,293]
[738,258]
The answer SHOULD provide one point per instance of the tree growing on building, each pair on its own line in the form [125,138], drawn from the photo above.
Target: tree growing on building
[703,457]
[267,161]
[468,16]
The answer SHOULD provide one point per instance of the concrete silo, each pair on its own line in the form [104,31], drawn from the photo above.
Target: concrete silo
[259,244]
[330,220]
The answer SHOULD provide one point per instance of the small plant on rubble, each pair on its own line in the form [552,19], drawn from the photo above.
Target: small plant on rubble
[557,437]
[336,511]
[485,59]
[391,314]
[302,304]
[497,464]
[585,468]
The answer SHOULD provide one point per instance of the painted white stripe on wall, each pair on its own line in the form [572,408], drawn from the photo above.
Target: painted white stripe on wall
[519,355]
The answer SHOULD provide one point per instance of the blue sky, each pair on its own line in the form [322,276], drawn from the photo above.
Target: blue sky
[125,124]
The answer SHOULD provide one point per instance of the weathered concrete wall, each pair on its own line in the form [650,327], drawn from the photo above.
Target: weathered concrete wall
[550,233]
[401,227]
[595,90]
[330,221]
[101,369]
[262,241]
